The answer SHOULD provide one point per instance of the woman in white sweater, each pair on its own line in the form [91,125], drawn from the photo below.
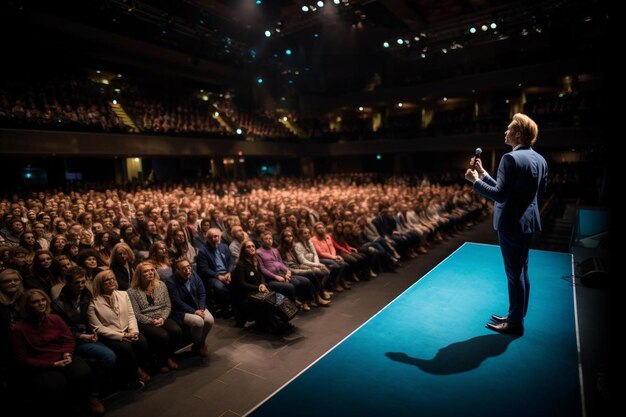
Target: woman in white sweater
[112,318]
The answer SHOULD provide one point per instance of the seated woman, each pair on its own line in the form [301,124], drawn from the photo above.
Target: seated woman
[112,318]
[160,258]
[249,279]
[88,261]
[72,305]
[290,258]
[180,247]
[43,273]
[122,263]
[44,347]
[152,307]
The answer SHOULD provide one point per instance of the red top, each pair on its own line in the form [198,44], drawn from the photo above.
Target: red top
[325,248]
[40,345]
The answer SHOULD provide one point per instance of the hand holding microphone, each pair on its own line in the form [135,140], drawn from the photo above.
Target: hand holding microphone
[476,169]
[476,157]
[476,163]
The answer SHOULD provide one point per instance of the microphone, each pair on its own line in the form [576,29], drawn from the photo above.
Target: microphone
[476,157]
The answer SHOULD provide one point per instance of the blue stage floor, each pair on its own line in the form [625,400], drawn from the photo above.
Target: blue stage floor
[428,353]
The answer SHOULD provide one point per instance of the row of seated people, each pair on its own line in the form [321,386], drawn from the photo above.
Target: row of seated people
[119,333]
[299,268]
[364,245]
[376,240]
[150,212]
[73,104]
[93,248]
[189,118]
[63,102]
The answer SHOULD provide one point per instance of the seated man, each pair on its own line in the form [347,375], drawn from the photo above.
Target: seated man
[189,304]
[214,266]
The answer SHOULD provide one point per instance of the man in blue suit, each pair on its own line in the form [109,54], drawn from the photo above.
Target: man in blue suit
[522,173]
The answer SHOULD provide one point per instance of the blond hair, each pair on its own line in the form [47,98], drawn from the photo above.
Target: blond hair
[26,309]
[4,298]
[527,128]
[137,282]
[97,282]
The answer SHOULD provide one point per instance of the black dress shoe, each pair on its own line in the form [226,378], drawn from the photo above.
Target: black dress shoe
[498,319]
[507,328]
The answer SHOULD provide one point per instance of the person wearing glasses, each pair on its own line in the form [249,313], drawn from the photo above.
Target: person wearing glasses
[188,297]
[111,316]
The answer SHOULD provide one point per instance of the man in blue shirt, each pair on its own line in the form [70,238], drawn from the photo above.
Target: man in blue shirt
[214,265]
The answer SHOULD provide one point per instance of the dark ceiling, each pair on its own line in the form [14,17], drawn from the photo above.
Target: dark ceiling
[334,49]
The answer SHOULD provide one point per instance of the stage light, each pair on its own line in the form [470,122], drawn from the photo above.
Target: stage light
[268,33]
[379,157]
[288,52]
[484,28]
[320,4]
[400,41]
[493,25]
[305,8]
[386,44]
[239,131]
[259,80]
[472,30]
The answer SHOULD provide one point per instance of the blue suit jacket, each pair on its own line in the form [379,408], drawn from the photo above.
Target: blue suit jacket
[205,262]
[522,174]
[182,300]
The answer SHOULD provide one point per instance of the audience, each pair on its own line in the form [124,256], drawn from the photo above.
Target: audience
[133,317]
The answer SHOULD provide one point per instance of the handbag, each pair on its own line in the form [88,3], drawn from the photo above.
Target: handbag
[285,308]
[277,303]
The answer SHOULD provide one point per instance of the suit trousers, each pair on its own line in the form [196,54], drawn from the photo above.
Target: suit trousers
[515,247]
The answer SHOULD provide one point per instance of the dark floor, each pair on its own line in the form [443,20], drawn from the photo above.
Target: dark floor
[246,366]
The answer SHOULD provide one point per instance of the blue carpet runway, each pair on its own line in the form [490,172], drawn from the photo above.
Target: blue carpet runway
[428,352]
